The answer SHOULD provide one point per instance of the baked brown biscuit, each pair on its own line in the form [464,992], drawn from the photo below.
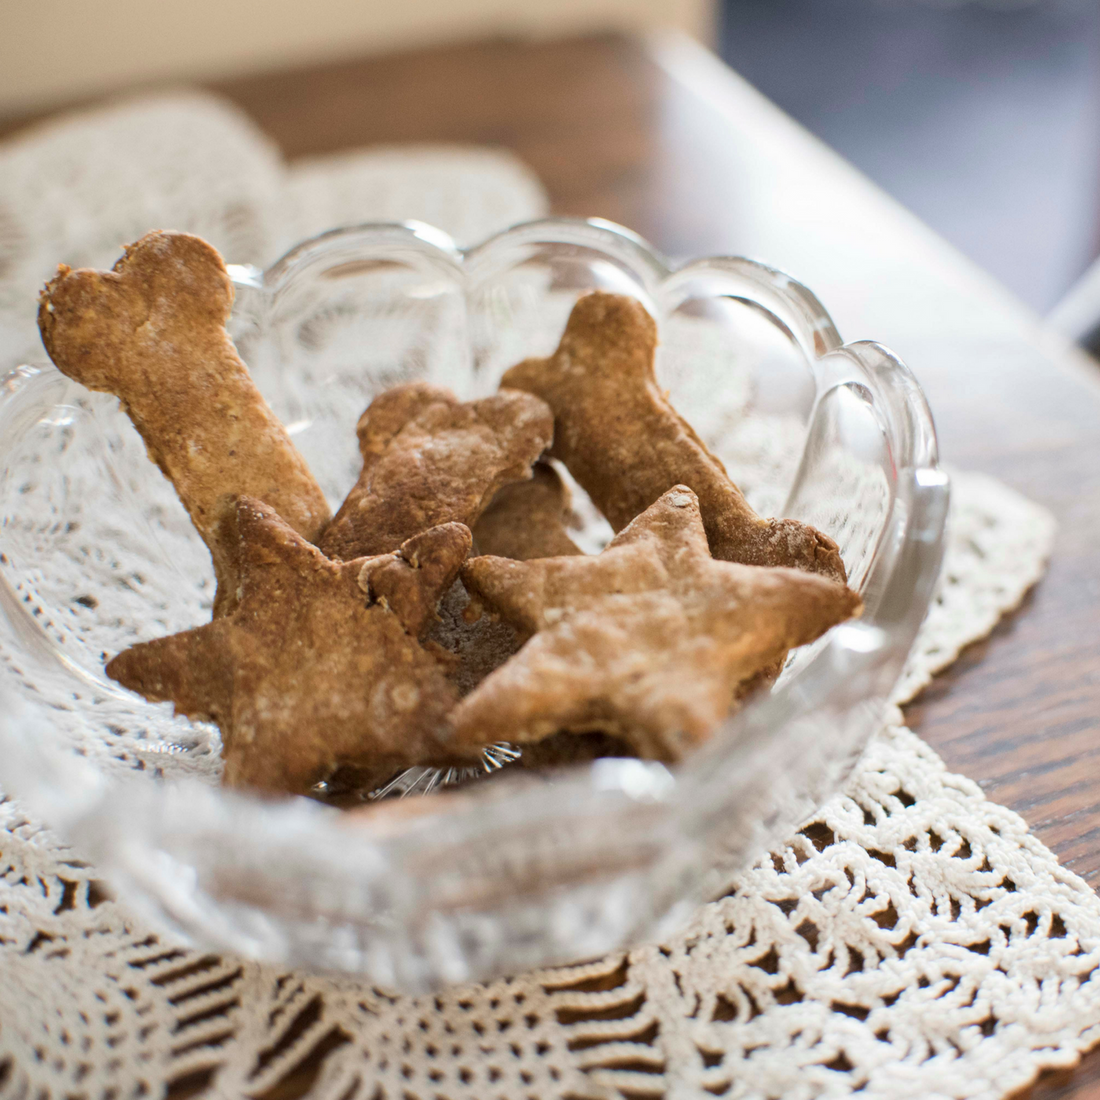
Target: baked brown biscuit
[429,458]
[318,667]
[477,644]
[152,331]
[523,521]
[411,581]
[622,440]
[526,519]
[649,641]
[564,749]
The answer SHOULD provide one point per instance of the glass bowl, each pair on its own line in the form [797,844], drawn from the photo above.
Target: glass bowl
[530,868]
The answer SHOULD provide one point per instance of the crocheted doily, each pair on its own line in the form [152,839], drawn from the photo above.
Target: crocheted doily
[913,939]
[82,186]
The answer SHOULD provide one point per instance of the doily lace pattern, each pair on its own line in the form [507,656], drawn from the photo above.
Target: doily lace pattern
[984,575]
[78,188]
[912,940]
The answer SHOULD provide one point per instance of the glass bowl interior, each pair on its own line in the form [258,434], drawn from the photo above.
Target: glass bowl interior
[96,553]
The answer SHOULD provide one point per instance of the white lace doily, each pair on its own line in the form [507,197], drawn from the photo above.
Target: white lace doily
[78,188]
[913,940]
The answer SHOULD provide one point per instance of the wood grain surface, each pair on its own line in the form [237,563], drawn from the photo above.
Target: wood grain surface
[659,136]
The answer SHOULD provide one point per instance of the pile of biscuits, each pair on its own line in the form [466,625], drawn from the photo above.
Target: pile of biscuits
[444,607]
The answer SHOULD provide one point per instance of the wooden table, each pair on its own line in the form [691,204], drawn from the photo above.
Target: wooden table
[660,136]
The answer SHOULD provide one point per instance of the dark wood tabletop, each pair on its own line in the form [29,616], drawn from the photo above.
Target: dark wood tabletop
[659,136]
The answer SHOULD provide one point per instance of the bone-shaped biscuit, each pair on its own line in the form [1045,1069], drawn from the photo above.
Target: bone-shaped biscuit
[526,519]
[626,445]
[429,458]
[152,331]
[319,667]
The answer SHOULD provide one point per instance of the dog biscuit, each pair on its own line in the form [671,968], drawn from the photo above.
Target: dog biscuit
[622,440]
[152,332]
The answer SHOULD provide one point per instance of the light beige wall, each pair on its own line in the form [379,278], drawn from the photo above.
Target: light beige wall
[53,50]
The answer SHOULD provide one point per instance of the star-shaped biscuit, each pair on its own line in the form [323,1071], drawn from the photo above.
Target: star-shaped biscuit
[622,440]
[650,640]
[429,458]
[318,667]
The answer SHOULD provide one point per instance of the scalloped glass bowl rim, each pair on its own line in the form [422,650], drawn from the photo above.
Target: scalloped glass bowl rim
[79,794]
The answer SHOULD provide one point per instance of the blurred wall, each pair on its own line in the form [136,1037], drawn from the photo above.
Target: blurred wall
[53,50]
[981,118]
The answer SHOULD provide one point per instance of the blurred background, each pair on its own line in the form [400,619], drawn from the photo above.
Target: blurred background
[982,116]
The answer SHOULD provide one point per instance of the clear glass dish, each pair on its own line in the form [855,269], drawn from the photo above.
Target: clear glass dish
[529,869]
